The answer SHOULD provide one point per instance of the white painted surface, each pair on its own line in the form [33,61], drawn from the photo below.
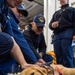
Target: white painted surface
[49,9]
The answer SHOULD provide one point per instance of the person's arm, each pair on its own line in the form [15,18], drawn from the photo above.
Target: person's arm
[28,54]
[29,40]
[53,23]
[18,56]
[42,46]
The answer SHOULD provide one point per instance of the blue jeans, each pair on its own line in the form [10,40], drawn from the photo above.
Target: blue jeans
[62,47]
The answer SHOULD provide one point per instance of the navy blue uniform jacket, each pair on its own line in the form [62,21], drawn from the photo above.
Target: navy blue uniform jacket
[36,42]
[66,18]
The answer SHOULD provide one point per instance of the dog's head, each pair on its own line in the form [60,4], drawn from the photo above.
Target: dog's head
[52,70]
[34,71]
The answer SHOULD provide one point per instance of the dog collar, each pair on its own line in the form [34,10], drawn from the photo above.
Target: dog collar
[60,73]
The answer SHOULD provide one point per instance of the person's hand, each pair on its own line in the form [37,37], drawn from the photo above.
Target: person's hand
[40,54]
[55,24]
[38,63]
[41,61]
[74,38]
[26,65]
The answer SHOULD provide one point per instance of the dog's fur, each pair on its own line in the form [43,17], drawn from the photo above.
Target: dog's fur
[43,71]
[64,70]
[34,71]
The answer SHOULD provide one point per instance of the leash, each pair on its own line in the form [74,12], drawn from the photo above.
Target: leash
[49,69]
[60,73]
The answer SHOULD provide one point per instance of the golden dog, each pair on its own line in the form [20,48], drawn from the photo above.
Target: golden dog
[63,70]
[58,70]
[34,71]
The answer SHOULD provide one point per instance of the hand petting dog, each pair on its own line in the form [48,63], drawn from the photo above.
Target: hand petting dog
[49,70]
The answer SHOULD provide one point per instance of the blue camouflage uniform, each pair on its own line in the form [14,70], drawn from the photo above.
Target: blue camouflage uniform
[9,25]
[6,42]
